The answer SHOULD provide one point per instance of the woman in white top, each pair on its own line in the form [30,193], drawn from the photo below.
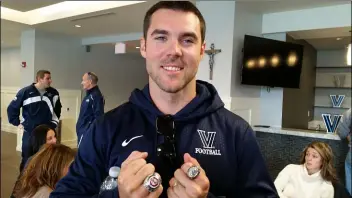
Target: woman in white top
[312,178]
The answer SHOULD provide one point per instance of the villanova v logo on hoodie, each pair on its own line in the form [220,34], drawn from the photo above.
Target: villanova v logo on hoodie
[207,139]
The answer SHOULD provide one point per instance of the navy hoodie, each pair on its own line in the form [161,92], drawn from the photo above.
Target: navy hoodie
[222,142]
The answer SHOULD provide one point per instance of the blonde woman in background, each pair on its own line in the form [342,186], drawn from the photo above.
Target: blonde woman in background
[45,169]
[312,178]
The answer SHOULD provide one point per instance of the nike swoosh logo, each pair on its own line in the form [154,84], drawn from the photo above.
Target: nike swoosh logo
[125,143]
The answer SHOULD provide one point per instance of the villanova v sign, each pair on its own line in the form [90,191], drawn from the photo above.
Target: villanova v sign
[331,126]
[337,100]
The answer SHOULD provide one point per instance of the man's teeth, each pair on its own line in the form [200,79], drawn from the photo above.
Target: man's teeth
[172,68]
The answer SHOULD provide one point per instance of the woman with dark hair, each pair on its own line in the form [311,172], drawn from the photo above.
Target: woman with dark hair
[41,135]
[45,169]
[312,178]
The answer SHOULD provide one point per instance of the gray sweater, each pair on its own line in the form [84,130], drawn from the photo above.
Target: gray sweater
[345,126]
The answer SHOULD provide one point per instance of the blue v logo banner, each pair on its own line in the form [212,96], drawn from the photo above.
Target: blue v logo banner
[337,100]
[331,126]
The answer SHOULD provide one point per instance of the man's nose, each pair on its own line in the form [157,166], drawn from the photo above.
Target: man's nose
[175,48]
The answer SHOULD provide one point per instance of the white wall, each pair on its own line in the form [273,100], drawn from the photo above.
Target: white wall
[219,31]
[68,60]
[118,74]
[10,67]
[28,55]
[308,19]
[245,98]
[62,56]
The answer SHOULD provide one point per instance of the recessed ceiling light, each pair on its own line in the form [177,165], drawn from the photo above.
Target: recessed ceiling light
[137,47]
[338,39]
[78,26]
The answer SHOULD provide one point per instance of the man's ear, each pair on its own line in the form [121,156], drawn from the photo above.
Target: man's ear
[143,47]
[202,49]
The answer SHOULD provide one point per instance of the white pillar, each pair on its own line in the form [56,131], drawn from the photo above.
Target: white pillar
[28,56]
[27,73]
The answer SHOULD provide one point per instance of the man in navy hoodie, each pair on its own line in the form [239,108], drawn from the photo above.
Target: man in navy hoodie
[173,123]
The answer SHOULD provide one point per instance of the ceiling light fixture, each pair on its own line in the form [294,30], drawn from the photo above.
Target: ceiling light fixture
[137,47]
[78,26]
[62,10]
[338,38]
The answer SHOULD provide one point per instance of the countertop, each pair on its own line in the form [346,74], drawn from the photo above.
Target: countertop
[298,132]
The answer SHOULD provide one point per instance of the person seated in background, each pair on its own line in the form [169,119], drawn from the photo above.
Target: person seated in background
[42,134]
[312,178]
[344,131]
[45,169]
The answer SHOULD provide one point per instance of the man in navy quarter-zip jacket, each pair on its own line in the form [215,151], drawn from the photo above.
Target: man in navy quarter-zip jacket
[173,123]
[40,104]
[92,104]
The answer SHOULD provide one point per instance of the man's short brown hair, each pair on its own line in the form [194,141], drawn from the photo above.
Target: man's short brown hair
[184,6]
[41,74]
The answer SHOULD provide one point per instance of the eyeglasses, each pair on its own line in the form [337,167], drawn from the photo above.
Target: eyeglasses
[165,126]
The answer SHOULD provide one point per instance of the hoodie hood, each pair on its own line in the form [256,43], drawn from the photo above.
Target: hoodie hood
[206,102]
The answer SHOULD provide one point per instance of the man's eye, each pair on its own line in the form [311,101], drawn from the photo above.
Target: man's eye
[160,38]
[188,41]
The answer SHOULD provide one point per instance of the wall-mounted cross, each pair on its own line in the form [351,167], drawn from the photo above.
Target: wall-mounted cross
[212,52]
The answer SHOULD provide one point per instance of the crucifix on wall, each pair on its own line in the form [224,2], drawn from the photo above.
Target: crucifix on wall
[212,52]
